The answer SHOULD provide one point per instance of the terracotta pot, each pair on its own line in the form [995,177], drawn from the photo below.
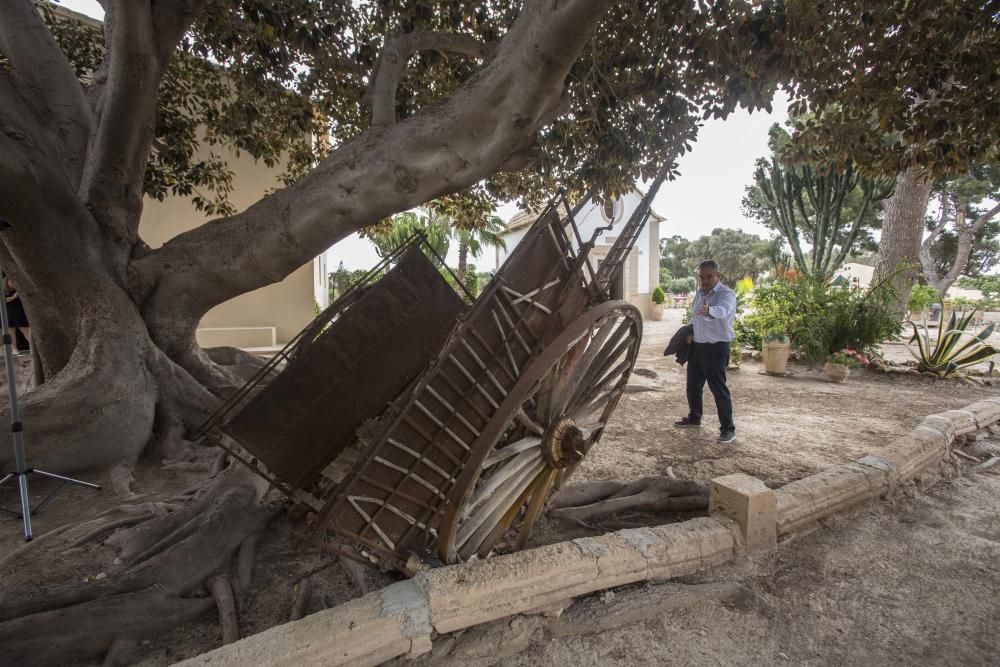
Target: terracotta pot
[775,353]
[656,313]
[837,372]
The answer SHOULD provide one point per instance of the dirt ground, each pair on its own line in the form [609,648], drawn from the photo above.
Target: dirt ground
[916,578]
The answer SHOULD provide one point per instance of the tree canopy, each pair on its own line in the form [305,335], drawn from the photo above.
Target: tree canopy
[738,253]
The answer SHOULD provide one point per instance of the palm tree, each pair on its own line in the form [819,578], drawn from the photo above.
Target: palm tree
[389,237]
[473,235]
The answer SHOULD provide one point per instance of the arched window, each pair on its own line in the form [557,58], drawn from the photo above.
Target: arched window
[611,208]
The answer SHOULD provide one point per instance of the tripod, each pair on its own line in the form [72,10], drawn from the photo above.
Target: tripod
[21,469]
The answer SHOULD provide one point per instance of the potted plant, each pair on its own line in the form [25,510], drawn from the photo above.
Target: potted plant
[775,352]
[657,297]
[838,366]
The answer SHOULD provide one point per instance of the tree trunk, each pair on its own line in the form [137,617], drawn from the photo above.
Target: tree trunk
[105,376]
[463,260]
[902,232]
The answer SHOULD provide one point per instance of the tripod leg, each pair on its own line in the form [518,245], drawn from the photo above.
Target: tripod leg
[68,480]
[6,478]
[22,481]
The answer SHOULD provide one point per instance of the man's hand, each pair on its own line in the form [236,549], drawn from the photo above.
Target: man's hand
[703,310]
[690,338]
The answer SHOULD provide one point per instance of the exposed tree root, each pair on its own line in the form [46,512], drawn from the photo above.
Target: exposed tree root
[587,501]
[245,560]
[222,592]
[165,556]
[366,579]
[237,361]
[301,602]
[121,651]
[88,629]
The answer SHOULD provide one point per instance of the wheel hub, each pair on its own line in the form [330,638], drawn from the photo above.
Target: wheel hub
[564,444]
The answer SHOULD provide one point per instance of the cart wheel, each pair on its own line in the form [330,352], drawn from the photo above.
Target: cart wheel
[549,421]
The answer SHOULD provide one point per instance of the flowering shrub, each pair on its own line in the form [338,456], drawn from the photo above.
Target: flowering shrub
[849,358]
[819,319]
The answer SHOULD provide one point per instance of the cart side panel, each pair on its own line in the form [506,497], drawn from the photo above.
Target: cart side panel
[306,417]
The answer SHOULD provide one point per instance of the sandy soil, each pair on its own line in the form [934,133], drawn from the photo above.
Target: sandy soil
[912,579]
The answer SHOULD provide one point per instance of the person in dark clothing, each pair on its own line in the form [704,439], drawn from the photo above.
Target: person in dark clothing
[713,312]
[17,319]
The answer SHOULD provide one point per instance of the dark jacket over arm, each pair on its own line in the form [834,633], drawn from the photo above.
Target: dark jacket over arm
[679,344]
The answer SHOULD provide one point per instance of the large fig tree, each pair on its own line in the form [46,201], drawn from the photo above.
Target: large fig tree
[409,101]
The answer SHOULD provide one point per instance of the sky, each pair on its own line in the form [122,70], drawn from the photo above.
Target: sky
[706,195]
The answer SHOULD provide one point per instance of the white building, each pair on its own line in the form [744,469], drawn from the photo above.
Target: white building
[641,270]
[860,275]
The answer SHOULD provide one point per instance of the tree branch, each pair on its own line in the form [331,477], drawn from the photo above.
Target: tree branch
[443,149]
[392,64]
[966,240]
[926,261]
[140,40]
[983,219]
[47,82]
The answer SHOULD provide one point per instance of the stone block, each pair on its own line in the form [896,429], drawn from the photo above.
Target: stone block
[747,501]
[618,561]
[986,412]
[964,421]
[358,632]
[679,549]
[913,453]
[480,591]
[942,424]
[803,501]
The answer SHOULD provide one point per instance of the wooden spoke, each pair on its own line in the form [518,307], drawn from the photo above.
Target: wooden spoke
[584,412]
[591,429]
[608,380]
[539,494]
[600,367]
[501,524]
[527,422]
[584,361]
[502,475]
[484,519]
[513,449]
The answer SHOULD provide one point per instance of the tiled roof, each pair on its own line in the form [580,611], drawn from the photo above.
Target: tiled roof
[522,219]
[526,218]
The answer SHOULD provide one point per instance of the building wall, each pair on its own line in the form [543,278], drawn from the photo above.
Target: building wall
[641,268]
[287,306]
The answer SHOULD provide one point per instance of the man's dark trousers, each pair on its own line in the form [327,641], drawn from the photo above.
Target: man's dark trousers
[708,362]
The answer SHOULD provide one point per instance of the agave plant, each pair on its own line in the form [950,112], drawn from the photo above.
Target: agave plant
[951,352]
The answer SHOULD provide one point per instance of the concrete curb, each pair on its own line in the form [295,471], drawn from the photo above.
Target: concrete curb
[400,619]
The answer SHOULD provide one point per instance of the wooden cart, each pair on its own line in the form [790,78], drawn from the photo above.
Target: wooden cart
[417,427]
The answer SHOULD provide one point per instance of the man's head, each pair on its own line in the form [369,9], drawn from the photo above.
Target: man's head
[708,274]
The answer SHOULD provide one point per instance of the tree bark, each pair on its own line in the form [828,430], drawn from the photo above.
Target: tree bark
[463,260]
[902,233]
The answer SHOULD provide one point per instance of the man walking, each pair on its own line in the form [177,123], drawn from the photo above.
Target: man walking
[713,312]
